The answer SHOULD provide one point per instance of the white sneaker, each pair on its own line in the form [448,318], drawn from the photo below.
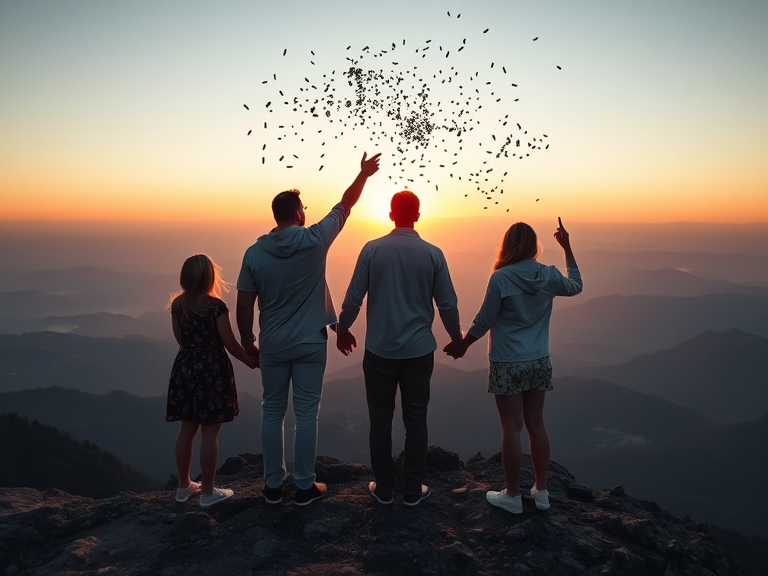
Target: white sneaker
[505,501]
[215,497]
[183,494]
[541,497]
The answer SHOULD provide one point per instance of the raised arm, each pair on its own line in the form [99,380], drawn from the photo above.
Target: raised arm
[368,168]
[562,237]
[572,284]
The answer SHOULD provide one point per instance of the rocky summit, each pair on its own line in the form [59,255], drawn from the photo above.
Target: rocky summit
[453,532]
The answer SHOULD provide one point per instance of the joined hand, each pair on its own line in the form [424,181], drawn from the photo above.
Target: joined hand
[345,342]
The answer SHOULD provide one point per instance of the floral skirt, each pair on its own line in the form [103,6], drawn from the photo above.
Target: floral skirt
[511,378]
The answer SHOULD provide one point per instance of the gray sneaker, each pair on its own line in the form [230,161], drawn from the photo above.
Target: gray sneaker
[505,501]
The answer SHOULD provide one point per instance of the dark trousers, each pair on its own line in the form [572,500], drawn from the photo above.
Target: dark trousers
[382,377]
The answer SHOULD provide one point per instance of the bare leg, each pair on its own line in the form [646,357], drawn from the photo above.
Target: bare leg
[209,455]
[533,411]
[511,415]
[184,442]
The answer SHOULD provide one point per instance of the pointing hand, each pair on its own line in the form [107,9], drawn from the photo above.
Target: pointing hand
[562,235]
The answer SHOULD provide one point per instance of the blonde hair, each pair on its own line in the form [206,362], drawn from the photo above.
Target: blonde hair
[519,243]
[200,280]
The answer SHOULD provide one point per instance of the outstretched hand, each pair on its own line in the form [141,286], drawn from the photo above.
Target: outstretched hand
[370,166]
[345,342]
[561,235]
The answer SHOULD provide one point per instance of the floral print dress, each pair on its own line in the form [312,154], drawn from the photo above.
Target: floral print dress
[202,386]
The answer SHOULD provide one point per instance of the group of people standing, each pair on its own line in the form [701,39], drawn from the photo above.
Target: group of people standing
[404,279]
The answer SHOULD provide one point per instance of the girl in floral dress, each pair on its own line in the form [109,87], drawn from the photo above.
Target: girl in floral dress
[202,392]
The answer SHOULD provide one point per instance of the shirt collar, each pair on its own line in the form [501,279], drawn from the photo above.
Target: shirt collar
[404,232]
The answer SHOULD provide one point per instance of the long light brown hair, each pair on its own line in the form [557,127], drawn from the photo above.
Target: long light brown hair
[519,243]
[200,279]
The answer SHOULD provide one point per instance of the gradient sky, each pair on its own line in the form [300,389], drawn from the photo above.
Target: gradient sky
[134,110]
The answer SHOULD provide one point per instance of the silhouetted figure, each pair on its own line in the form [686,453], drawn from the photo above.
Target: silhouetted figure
[404,277]
[517,309]
[202,392]
[285,271]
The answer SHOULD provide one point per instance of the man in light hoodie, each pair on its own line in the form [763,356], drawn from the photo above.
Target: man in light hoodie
[285,271]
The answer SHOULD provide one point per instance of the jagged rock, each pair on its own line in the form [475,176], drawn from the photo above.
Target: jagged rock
[453,532]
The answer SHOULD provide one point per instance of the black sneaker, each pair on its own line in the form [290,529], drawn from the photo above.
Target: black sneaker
[414,499]
[273,495]
[304,497]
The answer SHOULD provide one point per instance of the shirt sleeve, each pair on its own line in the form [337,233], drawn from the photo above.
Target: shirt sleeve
[489,310]
[245,280]
[565,286]
[446,299]
[356,291]
[329,227]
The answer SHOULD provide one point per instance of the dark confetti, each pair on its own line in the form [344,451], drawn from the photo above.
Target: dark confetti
[396,105]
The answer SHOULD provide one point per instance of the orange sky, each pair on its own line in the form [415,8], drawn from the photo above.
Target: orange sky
[108,116]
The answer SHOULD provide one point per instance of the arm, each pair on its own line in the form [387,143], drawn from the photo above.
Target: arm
[350,307]
[244,315]
[486,316]
[230,343]
[572,285]
[367,168]
[446,300]
[562,237]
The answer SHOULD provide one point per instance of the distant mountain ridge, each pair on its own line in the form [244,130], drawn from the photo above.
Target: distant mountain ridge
[612,329]
[39,456]
[35,294]
[719,374]
[97,365]
[728,468]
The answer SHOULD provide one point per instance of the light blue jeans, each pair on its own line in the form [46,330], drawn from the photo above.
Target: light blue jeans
[304,366]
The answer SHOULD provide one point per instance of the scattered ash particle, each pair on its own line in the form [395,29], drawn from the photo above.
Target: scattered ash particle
[396,104]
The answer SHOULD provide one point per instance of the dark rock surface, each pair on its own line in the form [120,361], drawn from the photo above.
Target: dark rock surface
[453,532]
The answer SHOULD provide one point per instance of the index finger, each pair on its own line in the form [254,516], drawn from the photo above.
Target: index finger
[376,156]
[559,222]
